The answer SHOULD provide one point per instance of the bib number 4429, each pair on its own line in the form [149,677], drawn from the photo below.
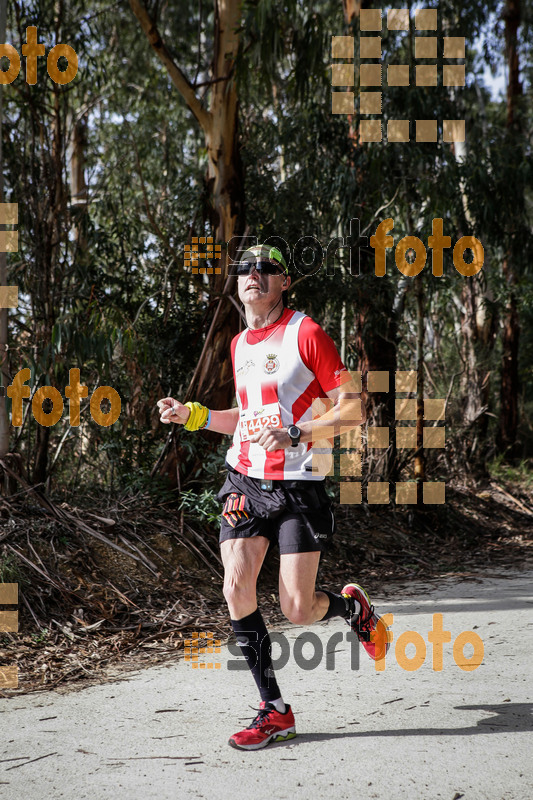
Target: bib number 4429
[251,426]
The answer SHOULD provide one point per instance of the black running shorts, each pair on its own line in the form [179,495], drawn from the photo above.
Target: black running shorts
[295,514]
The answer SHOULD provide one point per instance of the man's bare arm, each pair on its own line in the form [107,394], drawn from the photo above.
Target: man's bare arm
[223,421]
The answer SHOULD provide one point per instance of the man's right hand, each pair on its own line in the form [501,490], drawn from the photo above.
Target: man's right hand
[171,410]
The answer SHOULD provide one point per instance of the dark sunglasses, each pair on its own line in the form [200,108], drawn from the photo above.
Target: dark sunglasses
[263,267]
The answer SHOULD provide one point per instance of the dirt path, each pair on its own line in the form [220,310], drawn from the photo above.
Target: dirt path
[425,734]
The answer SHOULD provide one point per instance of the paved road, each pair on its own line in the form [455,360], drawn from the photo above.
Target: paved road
[425,734]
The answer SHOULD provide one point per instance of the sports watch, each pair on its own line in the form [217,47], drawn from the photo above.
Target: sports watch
[295,433]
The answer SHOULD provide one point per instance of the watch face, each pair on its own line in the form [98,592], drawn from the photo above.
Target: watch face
[294,432]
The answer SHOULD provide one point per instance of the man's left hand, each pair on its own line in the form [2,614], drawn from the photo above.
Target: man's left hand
[272,439]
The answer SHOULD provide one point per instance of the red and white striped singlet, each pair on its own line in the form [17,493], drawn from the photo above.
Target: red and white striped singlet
[278,370]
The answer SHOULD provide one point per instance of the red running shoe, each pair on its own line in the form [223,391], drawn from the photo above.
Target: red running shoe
[376,643]
[268,726]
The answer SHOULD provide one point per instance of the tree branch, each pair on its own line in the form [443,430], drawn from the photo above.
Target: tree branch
[178,78]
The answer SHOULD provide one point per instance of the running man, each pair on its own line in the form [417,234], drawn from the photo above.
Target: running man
[281,362]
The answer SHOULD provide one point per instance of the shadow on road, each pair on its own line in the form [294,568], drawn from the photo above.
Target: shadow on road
[508,718]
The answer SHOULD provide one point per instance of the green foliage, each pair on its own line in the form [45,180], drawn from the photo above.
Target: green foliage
[10,571]
[41,637]
[520,475]
[201,506]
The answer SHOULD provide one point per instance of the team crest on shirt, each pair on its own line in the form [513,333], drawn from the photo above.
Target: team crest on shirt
[271,364]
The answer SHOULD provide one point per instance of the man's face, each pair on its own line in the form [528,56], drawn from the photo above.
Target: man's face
[258,286]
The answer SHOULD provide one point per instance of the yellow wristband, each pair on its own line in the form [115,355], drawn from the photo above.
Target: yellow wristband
[197,417]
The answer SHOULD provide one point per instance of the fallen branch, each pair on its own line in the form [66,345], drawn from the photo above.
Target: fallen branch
[510,496]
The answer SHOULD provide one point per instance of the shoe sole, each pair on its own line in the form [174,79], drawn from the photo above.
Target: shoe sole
[367,598]
[275,737]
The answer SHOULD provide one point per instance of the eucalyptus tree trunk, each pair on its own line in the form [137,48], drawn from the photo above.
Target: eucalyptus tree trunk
[47,259]
[212,381]
[508,421]
[78,183]
[375,337]
[477,331]
[477,334]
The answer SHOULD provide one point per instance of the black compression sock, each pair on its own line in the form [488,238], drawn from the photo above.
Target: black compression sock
[339,606]
[256,647]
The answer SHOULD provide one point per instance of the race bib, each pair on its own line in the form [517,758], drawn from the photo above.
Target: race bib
[253,421]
